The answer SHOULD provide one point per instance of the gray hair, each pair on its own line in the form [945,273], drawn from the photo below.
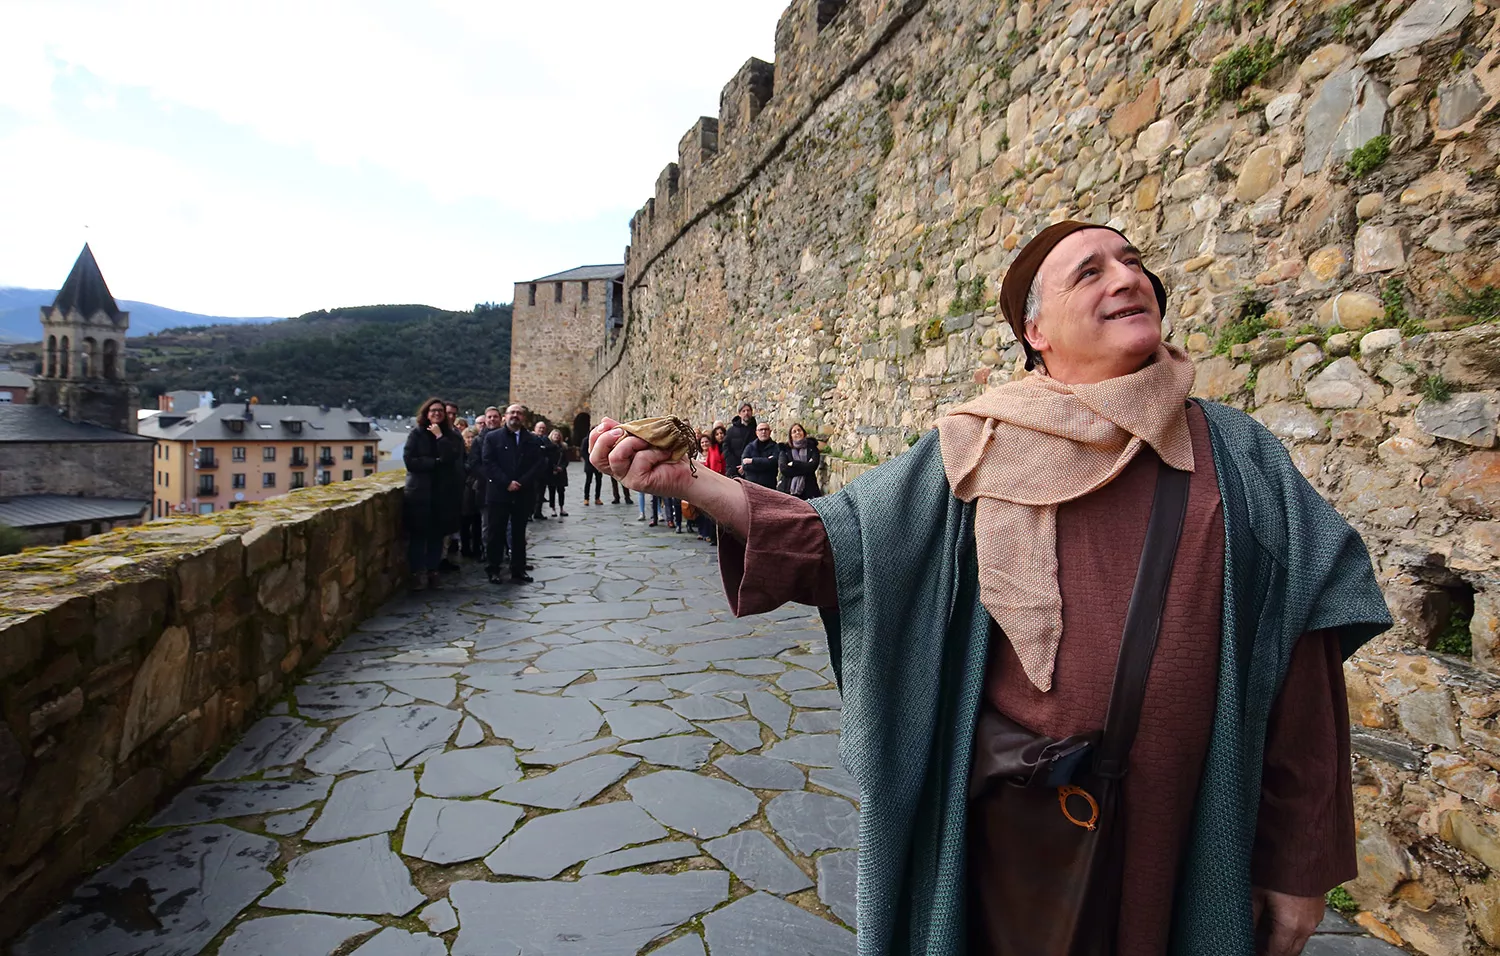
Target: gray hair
[1029,315]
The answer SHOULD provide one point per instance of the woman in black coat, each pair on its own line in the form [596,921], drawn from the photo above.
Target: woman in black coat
[799,465]
[434,490]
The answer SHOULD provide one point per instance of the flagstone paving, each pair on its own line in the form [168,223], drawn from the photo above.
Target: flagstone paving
[604,762]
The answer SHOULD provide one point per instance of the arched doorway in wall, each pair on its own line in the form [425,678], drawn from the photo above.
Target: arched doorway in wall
[52,356]
[581,426]
[111,359]
[89,358]
[66,368]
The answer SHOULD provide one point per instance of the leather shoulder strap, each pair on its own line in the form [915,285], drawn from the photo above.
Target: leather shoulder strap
[1143,621]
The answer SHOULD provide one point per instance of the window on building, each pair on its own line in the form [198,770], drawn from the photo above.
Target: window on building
[531,293]
[325,455]
[52,352]
[268,480]
[348,474]
[237,480]
[205,484]
[237,453]
[583,291]
[348,452]
[557,292]
[299,479]
[369,472]
[67,352]
[206,508]
[268,453]
[299,457]
[369,456]
[166,452]
[166,479]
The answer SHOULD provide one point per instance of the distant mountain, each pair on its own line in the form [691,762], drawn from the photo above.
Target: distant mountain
[383,358]
[20,315]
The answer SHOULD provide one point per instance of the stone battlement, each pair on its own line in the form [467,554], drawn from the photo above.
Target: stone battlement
[128,658]
[818,43]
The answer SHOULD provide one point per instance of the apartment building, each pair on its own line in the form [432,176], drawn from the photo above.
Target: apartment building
[209,459]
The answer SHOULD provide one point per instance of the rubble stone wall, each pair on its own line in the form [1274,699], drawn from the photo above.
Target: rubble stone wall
[103,469]
[1317,186]
[552,344]
[128,658]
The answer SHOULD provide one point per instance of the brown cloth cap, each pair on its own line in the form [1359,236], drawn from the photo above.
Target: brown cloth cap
[1022,272]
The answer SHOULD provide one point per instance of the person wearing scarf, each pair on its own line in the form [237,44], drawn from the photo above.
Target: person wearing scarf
[799,464]
[991,565]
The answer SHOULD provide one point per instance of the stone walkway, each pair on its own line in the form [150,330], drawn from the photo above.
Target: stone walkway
[604,762]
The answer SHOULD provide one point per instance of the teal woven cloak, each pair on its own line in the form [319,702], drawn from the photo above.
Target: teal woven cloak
[909,642]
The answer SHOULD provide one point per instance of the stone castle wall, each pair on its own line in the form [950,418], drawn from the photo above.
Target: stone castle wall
[552,345]
[128,658]
[102,469]
[831,248]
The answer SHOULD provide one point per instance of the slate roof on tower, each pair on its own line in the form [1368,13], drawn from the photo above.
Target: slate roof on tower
[585,272]
[85,289]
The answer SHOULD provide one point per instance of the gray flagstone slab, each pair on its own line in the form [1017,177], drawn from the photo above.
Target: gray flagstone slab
[758,862]
[432,655]
[760,923]
[705,707]
[493,669]
[733,648]
[271,742]
[762,773]
[644,721]
[561,755]
[692,804]
[439,916]
[612,611]
[365,804]
[602,689]
[836,779]
[591,656]
[470,732]
[711,682]
[770,710]
[686,752]
[383,739]
[650,670]
[285,824]
[639,856]
[471,772]
[817,722]
[451,831]
[221,801]
[742,735]
[184,886]
[539,683]
[295,934]
[332,701]
[398,942]
[570,785]
[689,945]
[380,672]
[533,722]
[809,822]
[545,846]
[649,690]
[440,690]
[836,879]
[360,878]
[812,750]
[598,915]
[798,678]
[822,699]
[754,667]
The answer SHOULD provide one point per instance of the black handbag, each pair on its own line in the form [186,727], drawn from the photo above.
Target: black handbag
[1044,814]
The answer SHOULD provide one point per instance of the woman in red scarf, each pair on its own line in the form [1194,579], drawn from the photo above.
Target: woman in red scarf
[714,457]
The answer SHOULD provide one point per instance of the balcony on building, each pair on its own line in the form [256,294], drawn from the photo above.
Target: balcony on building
[325,477]
[326,460]
[207,489]
[369,458]
[299,458]
[206,458]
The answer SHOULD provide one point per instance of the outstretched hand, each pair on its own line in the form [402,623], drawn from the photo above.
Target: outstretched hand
[637,465]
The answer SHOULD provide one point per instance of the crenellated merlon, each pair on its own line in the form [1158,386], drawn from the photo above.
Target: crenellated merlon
[818,44]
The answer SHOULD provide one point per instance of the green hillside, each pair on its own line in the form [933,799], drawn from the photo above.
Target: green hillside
[385,358]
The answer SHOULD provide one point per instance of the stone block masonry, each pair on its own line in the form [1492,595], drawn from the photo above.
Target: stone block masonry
[128,658]
[1316,186]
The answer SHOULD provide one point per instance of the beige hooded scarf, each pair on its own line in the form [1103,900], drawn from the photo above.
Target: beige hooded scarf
[1026,447]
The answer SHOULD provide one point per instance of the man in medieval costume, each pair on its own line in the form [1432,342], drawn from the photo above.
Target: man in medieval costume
[988,571]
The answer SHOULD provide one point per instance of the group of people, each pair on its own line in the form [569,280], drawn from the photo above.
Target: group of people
[742,449]
[471,489]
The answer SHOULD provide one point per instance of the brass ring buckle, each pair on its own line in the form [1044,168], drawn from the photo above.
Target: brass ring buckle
[1063,793]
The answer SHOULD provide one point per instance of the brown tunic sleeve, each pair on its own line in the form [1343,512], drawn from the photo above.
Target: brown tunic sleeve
[785,556]
[1304,840]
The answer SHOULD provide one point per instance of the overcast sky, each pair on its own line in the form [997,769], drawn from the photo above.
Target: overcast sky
[272,158]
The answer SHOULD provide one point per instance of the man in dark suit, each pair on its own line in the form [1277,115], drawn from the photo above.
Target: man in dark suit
[514,462]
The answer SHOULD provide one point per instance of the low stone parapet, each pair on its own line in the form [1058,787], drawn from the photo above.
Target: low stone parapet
[128,658]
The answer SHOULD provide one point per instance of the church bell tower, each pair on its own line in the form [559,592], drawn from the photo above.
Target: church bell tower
[83,352]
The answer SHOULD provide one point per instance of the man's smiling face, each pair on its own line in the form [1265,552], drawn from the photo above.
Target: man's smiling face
[1099,317]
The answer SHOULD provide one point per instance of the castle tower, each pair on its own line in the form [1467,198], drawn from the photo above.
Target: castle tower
[83,352]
